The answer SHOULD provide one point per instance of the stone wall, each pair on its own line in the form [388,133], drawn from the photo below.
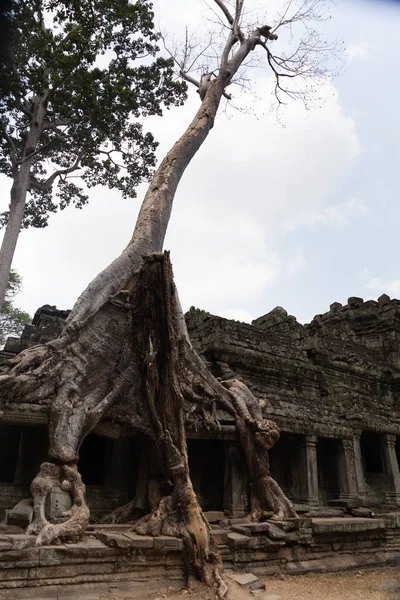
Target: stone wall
[333,386]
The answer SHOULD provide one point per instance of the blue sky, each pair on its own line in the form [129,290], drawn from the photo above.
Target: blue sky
[298,216]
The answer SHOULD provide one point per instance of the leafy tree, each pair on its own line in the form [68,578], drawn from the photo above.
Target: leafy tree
[124,354]
[76,76]
[12,319]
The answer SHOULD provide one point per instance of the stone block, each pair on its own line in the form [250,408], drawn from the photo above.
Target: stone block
[257,528]
[220,536]
[362,512]
[5,546]
[165,541]
[22,513]
[244,578]
[335,306]
[58,501]
[241,529]
[383,300]
[140,541]
[275,533]
[257,585]
[355,302]
[390,586]
[22,541]
[236,540]
[214,516]
[115,540]
[327,513]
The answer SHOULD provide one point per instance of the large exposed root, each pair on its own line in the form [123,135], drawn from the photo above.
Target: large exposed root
[131,361]
[257,436]
[69,479]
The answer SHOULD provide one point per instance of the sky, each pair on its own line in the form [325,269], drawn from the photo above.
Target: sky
[298,211]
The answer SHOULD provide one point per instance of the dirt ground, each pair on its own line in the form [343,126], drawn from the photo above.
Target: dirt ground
[362,585]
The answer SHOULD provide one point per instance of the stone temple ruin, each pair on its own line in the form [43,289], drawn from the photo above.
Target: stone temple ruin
[332,386]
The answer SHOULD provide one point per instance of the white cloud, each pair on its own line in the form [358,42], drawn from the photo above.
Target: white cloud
[390,287]
[339,214]
[360,50]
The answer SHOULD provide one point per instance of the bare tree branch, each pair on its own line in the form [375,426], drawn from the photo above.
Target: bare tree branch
[46,185]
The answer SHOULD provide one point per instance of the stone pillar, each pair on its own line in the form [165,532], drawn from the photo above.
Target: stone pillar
[358,464]
[347,472]
[309,471]
[236,495]
[391,467]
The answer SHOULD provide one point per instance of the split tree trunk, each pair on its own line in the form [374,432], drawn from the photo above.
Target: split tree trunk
[124,354]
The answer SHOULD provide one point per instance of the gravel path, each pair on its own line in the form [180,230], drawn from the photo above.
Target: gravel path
[363,585]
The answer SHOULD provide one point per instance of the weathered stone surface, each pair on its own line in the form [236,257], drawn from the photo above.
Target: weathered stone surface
[22,513]
[220,535]
[116,540]
[325,513]
[165,541]
[22,541]
[390,586]
[214,516]
[5,546]
[58,501]
[236,540]
[257,585]
[140,541]
[362,512]
[244,578]
[275,533]
[346,525]
[241,529]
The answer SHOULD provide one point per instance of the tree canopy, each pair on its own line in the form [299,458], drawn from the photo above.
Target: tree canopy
[12,319]
[76,77]
[93,65]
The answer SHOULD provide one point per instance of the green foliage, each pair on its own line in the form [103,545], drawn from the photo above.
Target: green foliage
[12,319]
[93,66]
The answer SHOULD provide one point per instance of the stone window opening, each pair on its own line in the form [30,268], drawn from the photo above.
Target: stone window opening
[371,454]
[207,468]
[10,437]
[328,455]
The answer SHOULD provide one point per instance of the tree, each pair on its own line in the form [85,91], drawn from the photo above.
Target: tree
[76,77]
[12,319]
[125,354]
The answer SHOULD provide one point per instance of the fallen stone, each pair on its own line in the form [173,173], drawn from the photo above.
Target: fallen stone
[257,528]
[115,540]
[362,512]
[214,516]
[390,586]
[244,578]
[257,585]
[237,540]
[241,529]
[22,513]
[275,533]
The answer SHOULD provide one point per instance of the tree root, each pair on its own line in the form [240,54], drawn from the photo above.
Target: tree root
[69,479]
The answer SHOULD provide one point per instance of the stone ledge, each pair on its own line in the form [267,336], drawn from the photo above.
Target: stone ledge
[346,525]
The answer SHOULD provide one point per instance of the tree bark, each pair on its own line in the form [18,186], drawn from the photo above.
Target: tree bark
[19,189]
[125,355]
